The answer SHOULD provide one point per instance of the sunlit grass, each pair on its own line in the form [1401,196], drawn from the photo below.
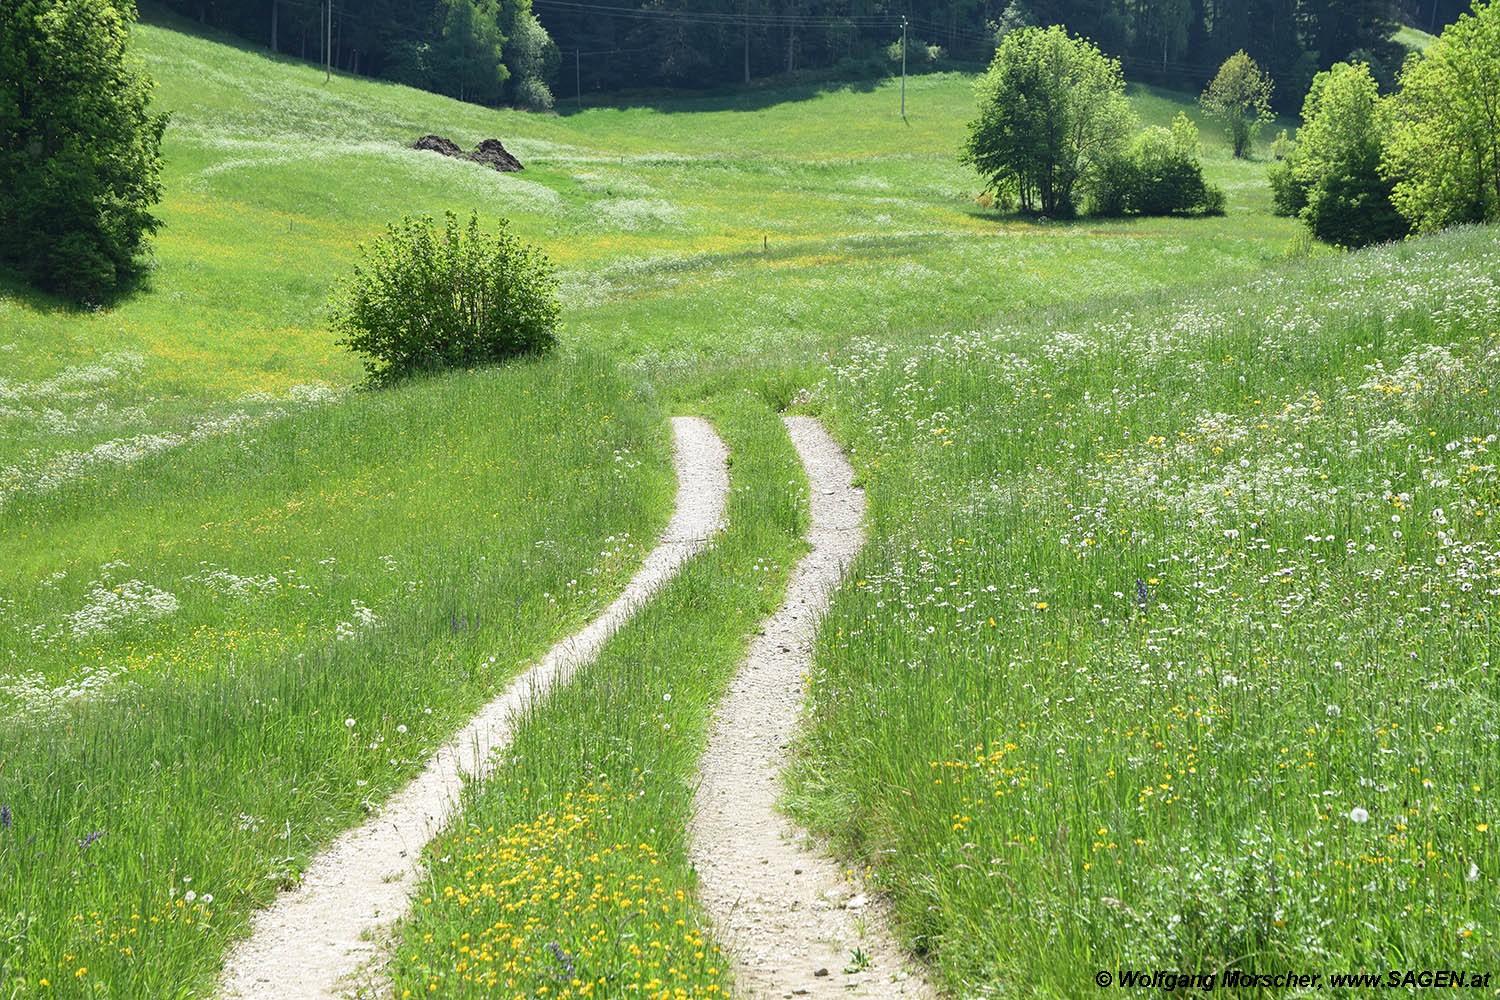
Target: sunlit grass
[567,874]
[215,553]
[218,658]
[1174,646]
[663,220]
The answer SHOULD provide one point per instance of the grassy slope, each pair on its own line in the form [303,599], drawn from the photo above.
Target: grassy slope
[657,216]
[1414,39]
[1174,644]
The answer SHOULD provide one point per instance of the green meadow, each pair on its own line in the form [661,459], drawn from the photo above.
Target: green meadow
[1173,645]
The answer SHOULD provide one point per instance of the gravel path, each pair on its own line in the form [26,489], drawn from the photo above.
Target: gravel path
[786,912]
[310,941]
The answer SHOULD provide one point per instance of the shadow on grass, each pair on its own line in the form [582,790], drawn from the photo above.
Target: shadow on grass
[15,288]
[757,97]
[786,88]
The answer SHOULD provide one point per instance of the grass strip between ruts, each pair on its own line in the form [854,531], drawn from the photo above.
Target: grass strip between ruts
[567,874]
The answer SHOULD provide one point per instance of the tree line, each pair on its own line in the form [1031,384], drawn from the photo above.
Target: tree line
[484,51]
[1053,135]
[509,51]
[1368,167]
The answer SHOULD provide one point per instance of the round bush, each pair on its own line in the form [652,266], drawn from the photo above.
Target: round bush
[534,95]
[423,299]
[1158,175]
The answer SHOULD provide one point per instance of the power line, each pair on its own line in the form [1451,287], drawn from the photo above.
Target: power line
[724,18]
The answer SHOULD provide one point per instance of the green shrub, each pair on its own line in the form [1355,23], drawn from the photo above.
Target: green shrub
[1158,175]
[918,52]
[1052,117]
[1352,207]
[1280,146]
[534,95]
[1288,192]
[80,156]
[1336,164]
[423,299]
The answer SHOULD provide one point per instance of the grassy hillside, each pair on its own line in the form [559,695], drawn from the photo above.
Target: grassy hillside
[1176,646]
[1414,39]
[214,552]
[781,218]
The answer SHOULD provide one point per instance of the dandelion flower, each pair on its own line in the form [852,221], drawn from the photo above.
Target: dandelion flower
[1334,711]
[1359,815]
[349,723]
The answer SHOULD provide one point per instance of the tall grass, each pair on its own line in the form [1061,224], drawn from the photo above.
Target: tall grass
[1174,645]
[341,590]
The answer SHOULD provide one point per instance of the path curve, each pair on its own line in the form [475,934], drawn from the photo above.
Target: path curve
[784,911]
[311,940]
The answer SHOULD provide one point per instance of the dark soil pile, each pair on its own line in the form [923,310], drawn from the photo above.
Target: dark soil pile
[491,152]
[488,152]
[438,144]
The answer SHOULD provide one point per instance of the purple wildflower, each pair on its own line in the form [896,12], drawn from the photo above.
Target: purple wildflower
[90,840]
[563,959]
[5,817]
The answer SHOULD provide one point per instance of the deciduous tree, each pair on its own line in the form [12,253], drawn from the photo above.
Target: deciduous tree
[1052,111]
[1444,151]
[1337,160]
[80,151]
[1240,97]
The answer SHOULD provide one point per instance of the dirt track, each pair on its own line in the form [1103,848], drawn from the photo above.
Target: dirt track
[785,911]
[311,940]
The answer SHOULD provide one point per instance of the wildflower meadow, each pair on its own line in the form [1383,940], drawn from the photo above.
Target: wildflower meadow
[1172,644]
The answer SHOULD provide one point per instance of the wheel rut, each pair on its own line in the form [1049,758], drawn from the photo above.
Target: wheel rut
[312,940]
[787,913]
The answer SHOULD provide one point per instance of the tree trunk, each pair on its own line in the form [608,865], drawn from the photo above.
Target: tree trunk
[275,9]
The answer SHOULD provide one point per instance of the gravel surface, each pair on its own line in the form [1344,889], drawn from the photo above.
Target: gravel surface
[786,912]
[311,941]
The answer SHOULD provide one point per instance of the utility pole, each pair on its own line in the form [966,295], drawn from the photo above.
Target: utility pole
[578,76]
[328,45]
[903,67]
[747,40]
